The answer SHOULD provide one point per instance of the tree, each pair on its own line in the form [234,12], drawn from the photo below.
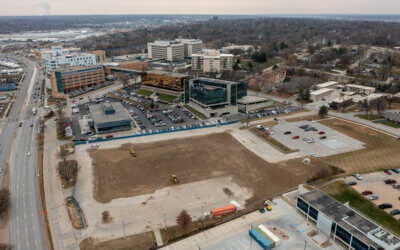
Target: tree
[301,72]
[68,171]
[380,104]
[367,107]
[4,201]
[390,99]
[62,154]
[184,219]
[59,108]
[250,66]
[323,111]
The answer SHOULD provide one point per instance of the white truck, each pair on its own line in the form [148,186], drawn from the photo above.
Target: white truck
[34,110]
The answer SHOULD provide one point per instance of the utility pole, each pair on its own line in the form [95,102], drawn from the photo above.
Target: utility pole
[123,226]
[305,244]
[165,221]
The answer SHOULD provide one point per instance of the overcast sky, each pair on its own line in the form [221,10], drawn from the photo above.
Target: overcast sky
[76,7]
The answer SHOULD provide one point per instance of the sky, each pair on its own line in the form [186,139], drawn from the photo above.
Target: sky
[82,7]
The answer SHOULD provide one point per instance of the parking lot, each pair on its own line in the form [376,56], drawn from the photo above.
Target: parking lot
[148,115]
[315,139]
[375,182]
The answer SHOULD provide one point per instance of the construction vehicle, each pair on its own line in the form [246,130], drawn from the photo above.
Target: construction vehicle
[133,154]
[174,179]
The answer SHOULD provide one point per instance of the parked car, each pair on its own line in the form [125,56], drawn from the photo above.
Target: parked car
[367,192]
[109,136]
[287,132]
[321,133]
[387,171]
[374,197]
[357,176]
[20,124]
[385,205]
[395,170]
[352,183]
[323,137]
[394,212]
[296,137]
[390,181]
[276,119]
[95,145]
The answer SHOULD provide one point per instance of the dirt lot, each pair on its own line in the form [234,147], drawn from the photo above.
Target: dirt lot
[381,152]
[137,241]
[192,159]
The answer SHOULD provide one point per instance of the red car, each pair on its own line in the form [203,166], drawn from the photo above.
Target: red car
[109,136]
[387,171]
[367,192]
[296,137]
[321,133]
[309,120]
[390,181]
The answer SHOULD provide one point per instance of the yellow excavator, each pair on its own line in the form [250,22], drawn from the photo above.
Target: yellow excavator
[174,179]
[133,153]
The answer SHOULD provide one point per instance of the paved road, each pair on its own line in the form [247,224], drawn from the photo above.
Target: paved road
[26,231]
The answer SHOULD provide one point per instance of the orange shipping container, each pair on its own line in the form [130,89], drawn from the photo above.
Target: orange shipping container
[223,210]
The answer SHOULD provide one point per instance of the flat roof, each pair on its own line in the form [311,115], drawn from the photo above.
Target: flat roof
[251,99]
[215,80]
[77,68]
[360,86]
[321,91]
[355,223]
[99,116]
[166,73]
[327,84]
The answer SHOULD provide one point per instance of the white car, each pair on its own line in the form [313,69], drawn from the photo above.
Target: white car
[96,145]
[315,155]
[357,176]
[28,154]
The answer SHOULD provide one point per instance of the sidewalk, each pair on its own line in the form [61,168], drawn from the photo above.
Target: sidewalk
[61,229]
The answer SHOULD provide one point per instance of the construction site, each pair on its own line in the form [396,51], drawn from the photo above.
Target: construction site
[156,177]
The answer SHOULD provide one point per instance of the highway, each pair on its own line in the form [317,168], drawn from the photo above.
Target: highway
[26,230]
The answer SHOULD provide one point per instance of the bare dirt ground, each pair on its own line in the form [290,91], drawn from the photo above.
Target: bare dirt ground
[192,159]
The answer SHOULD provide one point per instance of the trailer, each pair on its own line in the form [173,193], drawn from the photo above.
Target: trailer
[264,237]
[223,210]
[259,239]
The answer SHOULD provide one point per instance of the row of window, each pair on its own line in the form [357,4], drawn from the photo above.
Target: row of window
[341,233]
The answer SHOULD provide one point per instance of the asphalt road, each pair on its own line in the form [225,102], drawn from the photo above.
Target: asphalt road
[26,231]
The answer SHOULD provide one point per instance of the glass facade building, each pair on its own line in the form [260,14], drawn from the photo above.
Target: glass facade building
[208,91]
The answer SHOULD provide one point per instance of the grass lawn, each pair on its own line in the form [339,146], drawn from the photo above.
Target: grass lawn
[276,144]
[391,124]
[370,117]
[381,150]
[138,241]
[195,112]
[144,92]
[167,98]
[343,193]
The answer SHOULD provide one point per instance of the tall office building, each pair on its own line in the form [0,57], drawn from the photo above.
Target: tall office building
[167,50]
[212,61]
[191,46]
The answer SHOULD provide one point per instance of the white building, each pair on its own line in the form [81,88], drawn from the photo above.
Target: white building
[58,58]
[320,94]
[57,51]
[191,46]
[329,85]
[212,61]
[360,89]
[168,50]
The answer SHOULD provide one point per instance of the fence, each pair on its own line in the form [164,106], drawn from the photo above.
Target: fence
[154,133]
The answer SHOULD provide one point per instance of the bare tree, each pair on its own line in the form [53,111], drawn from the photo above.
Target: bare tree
[62,155]
[184,219]
[380,104]
[390,99]
[4,201]
[59,108]
[367,107]
[68,171]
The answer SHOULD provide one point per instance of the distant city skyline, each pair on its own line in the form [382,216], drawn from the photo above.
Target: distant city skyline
[222,7]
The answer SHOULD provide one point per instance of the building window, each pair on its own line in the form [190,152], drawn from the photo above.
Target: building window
[343,234]
[313,213]
[358,244]
[302,205]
